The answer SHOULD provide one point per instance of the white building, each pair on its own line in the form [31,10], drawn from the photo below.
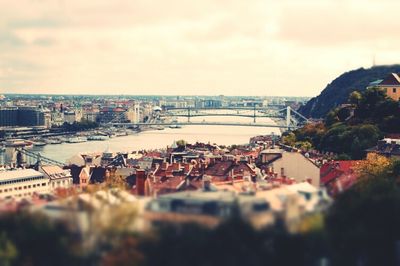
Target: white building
[58,177]
[291,164]
[22,183]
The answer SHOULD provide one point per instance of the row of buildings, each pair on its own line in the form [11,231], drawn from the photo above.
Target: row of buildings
[25,183]
[262,182]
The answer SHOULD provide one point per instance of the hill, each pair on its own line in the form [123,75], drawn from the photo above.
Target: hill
[339,89]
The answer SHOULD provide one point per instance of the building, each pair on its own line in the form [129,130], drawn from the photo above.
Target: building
[390,84]
[72,116]
[133,114]
[22,183]
[293,165]
[208,208]
[112,114]
[57,118]
[387,147]
[338,176]
[58,177]
[21,116]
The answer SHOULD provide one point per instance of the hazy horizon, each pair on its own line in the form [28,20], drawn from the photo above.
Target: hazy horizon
[257,47]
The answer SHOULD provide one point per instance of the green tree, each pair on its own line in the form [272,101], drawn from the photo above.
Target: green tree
[355,97]
[289,139]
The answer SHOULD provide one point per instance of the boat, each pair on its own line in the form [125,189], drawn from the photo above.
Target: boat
[97,137]
[76,140]
[53,141]
[175,126]
[157,127]
[121,133]
[39,143]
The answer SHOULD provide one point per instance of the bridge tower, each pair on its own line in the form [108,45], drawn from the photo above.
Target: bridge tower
[136,109]
[288,118]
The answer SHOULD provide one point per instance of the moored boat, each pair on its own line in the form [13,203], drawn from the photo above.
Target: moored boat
[97,137]
[76,140]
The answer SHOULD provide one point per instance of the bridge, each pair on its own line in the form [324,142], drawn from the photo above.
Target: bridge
[39,157]
[286,118]
[20,156]
[199,124]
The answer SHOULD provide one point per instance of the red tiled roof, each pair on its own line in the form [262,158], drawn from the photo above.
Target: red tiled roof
[220,168]
[332,170]
[338,176]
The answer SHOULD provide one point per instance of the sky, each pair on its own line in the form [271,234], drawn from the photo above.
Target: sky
[183,47]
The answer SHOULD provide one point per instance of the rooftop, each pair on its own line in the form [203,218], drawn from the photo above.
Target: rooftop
[19,173]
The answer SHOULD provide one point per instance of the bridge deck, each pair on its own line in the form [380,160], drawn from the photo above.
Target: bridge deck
[202,124]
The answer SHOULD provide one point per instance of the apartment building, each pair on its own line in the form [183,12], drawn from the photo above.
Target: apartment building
[22,183]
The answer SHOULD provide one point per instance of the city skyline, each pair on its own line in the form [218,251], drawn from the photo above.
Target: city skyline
[265,48]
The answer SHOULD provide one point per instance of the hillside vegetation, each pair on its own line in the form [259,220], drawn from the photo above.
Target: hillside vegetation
[349,130]
[339,89]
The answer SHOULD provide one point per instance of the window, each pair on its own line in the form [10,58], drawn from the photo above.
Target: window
[394,90]
[43,184]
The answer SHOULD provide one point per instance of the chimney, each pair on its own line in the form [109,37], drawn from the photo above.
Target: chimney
[140,180]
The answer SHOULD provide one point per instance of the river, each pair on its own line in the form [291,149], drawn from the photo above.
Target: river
[154,139]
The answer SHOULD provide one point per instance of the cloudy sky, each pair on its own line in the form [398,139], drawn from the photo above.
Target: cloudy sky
[243,47]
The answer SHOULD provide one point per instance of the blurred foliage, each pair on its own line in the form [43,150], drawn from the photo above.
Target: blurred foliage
[362,224]
[8,251]
[27,239]
[360,228]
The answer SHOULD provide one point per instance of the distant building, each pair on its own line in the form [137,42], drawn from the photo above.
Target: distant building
[73,116]
[112,114]
[89,116]
[390,84]
[22,183]
[57,118]
[21,116]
